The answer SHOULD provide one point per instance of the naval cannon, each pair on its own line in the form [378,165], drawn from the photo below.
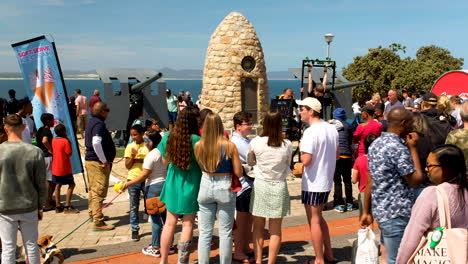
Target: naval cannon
[128,94]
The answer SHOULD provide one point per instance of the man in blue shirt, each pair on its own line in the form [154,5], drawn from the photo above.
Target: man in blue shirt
[394,170]
[100,153]
[393,101]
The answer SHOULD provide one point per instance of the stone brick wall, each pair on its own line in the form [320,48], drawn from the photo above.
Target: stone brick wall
[233,39]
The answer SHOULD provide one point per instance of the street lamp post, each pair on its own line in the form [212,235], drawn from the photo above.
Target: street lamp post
[328,38]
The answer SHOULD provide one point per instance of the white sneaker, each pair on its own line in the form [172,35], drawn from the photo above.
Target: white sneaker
[151,251]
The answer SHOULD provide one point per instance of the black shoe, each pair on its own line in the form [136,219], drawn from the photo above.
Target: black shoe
[135,236]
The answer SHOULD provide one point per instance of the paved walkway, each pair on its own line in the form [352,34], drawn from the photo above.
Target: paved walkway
[295,248]
[115,246]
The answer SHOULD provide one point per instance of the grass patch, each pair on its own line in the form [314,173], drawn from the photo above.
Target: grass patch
[120,152]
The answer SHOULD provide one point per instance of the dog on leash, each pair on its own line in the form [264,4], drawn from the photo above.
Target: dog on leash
[50,254]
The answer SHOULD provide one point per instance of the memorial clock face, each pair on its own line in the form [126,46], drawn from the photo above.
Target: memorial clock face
[248,63]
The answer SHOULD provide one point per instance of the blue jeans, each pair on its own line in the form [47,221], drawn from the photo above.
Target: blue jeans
[392,233]
[215,200]
[157,221]
[134,193]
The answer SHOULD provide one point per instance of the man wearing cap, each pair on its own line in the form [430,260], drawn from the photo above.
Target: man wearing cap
[319,152]
[393,101]
[370,126]
[344,163]
[438,125]
[172,106]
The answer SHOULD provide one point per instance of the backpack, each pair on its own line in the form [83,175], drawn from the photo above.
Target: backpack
[439,126]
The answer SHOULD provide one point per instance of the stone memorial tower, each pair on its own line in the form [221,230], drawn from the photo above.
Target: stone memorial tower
[234,77]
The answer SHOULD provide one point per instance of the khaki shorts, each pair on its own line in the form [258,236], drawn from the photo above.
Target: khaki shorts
[82,120]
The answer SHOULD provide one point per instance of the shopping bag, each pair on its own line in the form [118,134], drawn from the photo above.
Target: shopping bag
[451,246]
[367,251]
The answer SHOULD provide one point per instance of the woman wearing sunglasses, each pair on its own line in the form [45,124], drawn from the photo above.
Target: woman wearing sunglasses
[446,168]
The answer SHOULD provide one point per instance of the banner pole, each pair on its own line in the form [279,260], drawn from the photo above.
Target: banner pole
[66,96]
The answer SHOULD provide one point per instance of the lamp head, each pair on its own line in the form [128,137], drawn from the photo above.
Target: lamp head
[329,38]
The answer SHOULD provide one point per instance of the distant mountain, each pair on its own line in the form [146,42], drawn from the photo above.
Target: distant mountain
[10,75]
[198,74]
[280,75]
[181,74]
[167,73]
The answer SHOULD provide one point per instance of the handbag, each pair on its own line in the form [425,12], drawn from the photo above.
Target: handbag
[452,247]
[235,184]
[154,206]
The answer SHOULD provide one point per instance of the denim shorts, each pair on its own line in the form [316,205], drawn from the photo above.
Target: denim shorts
[172,116]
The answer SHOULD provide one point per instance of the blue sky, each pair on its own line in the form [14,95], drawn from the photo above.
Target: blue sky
[90,34]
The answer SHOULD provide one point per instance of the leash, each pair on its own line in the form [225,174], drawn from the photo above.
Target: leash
[91,217]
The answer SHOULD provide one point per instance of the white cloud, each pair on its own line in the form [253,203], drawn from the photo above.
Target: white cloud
[8,11]
[88,2]
[65,2]
[52,2]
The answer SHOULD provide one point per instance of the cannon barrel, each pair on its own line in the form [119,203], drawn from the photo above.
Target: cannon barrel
[140,86]
[345,85]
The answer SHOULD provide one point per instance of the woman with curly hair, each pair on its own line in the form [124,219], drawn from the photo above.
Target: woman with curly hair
[182,182]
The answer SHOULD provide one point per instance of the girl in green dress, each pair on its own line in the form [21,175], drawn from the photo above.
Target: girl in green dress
[182,182]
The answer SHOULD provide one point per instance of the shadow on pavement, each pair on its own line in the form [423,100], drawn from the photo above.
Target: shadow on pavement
[342,255]
[68,252]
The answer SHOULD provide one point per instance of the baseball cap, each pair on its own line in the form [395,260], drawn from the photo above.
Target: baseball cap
[168,90]
[430,98]
[311,102]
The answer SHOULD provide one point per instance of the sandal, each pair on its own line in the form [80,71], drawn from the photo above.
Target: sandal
[242,260]
[46,209]
[59,209]
[172,250]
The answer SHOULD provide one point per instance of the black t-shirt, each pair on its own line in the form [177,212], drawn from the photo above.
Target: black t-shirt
[12,106]
[41,133]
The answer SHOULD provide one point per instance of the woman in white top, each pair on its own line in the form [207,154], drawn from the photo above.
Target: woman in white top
[270,155]
[154,172]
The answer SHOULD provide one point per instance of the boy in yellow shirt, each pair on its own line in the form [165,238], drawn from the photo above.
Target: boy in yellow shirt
[135,152]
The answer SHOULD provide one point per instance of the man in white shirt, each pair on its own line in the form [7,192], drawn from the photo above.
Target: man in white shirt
[25,109]
[455,104]
[243,233]
[81,111]
[319,152]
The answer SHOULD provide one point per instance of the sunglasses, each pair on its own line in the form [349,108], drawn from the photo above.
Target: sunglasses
[106,110]
[432,165]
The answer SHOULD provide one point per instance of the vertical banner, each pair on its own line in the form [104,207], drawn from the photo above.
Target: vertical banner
[45,87]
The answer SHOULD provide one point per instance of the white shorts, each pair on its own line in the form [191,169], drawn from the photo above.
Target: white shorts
[48,164]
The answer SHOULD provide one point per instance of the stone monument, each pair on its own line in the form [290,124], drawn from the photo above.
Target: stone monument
[234,77]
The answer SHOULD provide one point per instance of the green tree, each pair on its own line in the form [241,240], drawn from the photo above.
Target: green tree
[384,69]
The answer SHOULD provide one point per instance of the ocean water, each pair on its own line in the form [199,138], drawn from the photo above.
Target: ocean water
[193,86]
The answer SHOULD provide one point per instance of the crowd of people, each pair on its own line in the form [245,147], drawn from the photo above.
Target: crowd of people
[395,151]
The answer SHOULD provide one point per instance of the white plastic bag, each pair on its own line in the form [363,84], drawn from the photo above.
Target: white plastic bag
[367,251]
